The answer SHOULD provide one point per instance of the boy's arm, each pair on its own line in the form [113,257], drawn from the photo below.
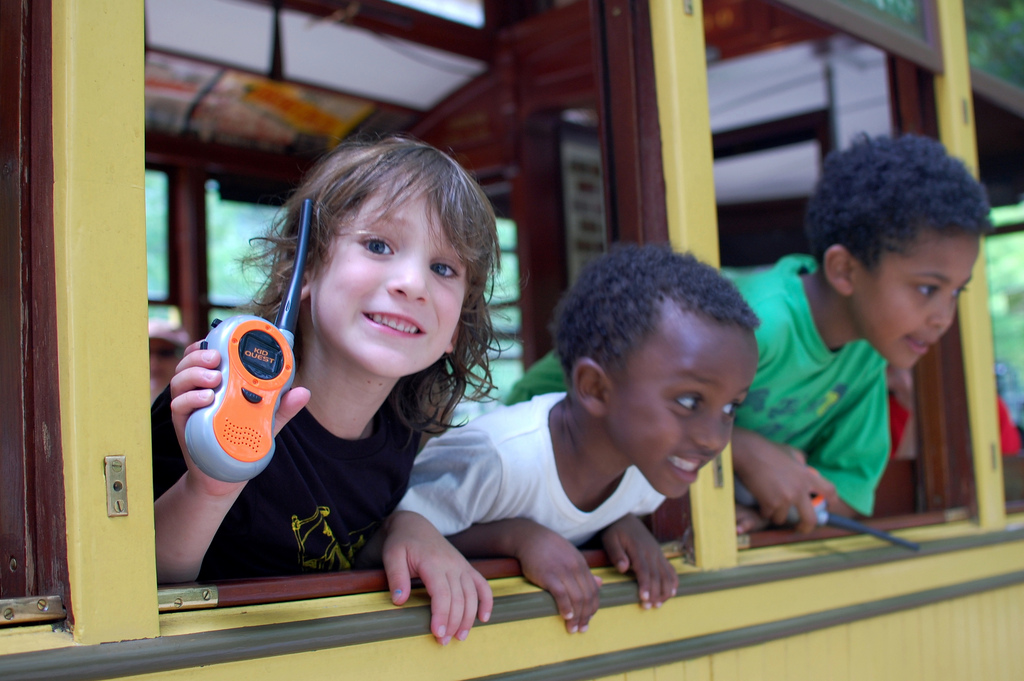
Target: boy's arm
[408,546]
[631,546]
[547,559]
[779,479]
[188,514]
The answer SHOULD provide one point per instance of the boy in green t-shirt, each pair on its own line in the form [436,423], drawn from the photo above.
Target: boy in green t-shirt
[894,228]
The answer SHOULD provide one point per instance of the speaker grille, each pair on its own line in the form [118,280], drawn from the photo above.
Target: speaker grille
[242,436]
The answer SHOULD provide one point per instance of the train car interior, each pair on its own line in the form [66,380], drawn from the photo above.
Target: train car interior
[533,98]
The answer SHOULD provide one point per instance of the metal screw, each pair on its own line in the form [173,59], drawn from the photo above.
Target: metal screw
[8,613]
[13,564]
[41,604]
[115,466]
[119,506]
[178,603]
[207,595]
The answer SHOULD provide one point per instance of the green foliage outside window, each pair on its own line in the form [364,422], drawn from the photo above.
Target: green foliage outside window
[157,263]
[904,15]
[1004,265]
[995,38]
[230,225]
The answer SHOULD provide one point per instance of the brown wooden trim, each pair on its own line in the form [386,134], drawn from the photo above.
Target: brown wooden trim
[775,537]
[32,527]
[406,23]
[815,125]
[946,476]
[629,124]
[14,529]
[536,203]
[175,150]
[733,28]
[186,216]
[233,593]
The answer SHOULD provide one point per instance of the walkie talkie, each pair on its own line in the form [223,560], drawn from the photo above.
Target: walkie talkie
[232,439]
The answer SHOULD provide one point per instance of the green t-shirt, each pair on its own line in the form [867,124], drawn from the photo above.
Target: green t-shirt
[544,376]
[831,405]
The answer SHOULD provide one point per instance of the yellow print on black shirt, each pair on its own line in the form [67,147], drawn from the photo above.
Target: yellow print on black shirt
[319,550]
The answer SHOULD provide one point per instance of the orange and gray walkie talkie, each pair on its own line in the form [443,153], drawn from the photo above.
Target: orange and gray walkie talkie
[232,439]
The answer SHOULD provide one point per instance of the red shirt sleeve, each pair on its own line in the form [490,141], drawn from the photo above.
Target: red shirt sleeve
[898,417]
[1009,436]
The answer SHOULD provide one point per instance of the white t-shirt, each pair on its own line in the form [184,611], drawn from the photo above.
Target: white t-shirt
[502,465]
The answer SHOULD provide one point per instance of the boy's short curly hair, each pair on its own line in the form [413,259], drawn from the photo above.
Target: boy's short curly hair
[615,303]
[881,193]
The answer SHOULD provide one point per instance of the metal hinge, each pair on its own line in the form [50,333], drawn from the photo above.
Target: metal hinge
[187,598]
[117,485]
[31,610]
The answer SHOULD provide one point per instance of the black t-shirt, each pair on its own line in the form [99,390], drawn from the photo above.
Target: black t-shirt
[315,505]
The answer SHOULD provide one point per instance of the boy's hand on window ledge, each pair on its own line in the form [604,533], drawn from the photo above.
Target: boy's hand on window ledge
[551,562]
[631,546]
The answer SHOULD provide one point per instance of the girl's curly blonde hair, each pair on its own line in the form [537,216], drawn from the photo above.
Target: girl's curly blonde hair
[396,169]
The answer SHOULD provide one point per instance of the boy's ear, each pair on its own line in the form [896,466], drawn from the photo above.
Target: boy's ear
[591,386]
[838,266]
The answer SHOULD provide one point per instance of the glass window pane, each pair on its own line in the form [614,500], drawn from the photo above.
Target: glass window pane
[506,284]
[1004,216]
[508,234]
[229,227]
[468,12]
[1004,262]
[157,260]
[507,321]
[904,15]
[995,37]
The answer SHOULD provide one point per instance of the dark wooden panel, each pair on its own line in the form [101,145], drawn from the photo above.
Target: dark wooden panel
[278,589]
[630,127]
[945,472]
[13,446]
[736,27]
[32,522]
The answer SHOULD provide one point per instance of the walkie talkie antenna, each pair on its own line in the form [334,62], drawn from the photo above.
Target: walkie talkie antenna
[289,312]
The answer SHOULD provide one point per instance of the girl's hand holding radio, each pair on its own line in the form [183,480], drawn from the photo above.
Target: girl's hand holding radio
[192,388]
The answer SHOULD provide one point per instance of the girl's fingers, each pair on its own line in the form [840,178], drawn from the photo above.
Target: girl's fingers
[484,596]
[471,604]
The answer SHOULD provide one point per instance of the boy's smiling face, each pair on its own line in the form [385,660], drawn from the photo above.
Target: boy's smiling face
[671,407]
[908,300]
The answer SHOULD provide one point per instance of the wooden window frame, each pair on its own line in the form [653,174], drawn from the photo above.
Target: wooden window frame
[33,550]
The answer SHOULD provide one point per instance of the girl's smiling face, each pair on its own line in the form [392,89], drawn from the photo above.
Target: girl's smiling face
[673,404]
[388,301]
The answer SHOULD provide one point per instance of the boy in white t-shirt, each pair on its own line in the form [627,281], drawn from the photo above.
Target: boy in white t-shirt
[659,351]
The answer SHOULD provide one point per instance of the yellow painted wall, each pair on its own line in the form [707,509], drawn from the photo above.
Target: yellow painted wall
[954,102]
[967,639]
[687,159]
[100,252]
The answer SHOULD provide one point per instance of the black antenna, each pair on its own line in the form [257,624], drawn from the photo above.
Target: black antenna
[289,312]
